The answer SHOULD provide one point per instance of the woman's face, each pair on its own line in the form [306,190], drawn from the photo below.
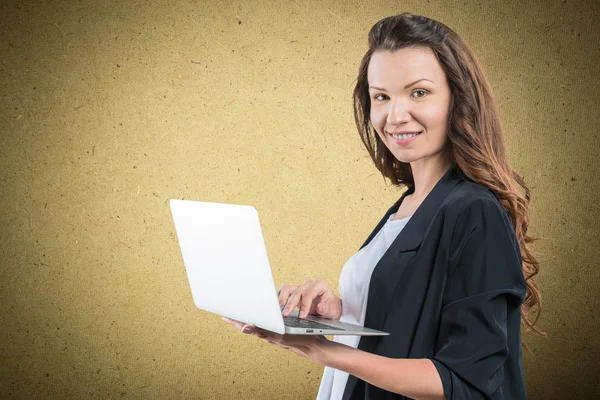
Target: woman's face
[409,95]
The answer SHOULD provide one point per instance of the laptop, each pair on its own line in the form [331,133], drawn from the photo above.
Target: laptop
[226,262]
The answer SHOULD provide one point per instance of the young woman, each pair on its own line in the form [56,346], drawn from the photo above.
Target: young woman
[447,271]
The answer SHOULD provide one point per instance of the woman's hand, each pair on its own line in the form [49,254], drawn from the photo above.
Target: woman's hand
[312,347]
[312,298]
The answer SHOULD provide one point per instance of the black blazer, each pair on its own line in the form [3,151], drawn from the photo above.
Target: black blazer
[450,288]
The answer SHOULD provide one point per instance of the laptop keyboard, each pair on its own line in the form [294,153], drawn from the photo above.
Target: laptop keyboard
[295,322]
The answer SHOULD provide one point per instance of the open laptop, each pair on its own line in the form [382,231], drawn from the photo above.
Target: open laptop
[229,274]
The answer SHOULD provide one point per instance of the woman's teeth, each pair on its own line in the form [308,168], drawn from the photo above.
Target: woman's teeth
[404,137]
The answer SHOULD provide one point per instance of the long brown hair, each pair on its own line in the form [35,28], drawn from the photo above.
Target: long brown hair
[474,130]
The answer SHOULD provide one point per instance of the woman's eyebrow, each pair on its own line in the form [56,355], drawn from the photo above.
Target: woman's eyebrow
[405,87]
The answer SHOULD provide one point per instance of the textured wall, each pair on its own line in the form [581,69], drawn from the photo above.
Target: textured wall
[108,109]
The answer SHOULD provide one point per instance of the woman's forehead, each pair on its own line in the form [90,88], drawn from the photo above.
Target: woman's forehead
[404,66]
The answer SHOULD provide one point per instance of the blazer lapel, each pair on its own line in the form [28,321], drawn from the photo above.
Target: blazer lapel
[389,212]
[401,252]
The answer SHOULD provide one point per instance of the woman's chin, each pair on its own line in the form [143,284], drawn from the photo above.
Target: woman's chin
[403,158]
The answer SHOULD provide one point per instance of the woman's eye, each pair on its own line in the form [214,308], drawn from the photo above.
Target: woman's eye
[420,93]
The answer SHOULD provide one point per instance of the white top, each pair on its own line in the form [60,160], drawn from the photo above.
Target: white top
[354,290]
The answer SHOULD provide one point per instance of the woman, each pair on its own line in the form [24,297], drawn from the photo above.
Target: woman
[447,271]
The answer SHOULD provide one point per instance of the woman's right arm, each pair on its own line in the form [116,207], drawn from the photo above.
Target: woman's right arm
[313,297]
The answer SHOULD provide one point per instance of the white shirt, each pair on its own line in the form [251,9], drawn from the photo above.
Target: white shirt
[354,290]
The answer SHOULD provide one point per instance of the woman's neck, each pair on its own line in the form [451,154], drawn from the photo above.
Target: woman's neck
[427,174]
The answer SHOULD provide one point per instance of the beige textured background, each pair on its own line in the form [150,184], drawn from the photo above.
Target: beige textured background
[109,108]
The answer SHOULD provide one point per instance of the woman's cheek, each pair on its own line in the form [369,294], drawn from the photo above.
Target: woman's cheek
[377,120]
[430,113]
[435,114]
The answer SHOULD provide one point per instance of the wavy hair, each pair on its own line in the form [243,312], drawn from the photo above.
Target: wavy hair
[474,130]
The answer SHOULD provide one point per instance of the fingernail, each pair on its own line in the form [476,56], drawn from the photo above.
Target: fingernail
[285,310]
[248,330]
[302,314]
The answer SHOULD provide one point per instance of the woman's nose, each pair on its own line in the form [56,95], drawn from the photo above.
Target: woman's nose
[398,113]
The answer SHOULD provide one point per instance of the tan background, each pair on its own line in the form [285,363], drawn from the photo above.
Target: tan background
[108,109]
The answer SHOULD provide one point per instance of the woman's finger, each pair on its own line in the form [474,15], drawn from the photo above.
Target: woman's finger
[328,304]
[318,288]
[233,322]
[284,293]
[295,298]
[322,307]
[268,336]
[245,328]
[248,329]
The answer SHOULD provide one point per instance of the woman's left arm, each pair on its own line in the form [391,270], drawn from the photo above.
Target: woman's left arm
[414,378]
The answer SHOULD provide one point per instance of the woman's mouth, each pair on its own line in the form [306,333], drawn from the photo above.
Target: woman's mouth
[405,138]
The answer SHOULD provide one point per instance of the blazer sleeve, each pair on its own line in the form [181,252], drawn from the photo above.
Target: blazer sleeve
[485,284]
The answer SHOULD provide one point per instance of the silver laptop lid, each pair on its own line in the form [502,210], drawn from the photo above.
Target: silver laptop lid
[226,262]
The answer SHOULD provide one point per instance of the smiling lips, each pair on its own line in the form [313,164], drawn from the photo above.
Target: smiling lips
[403,137]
